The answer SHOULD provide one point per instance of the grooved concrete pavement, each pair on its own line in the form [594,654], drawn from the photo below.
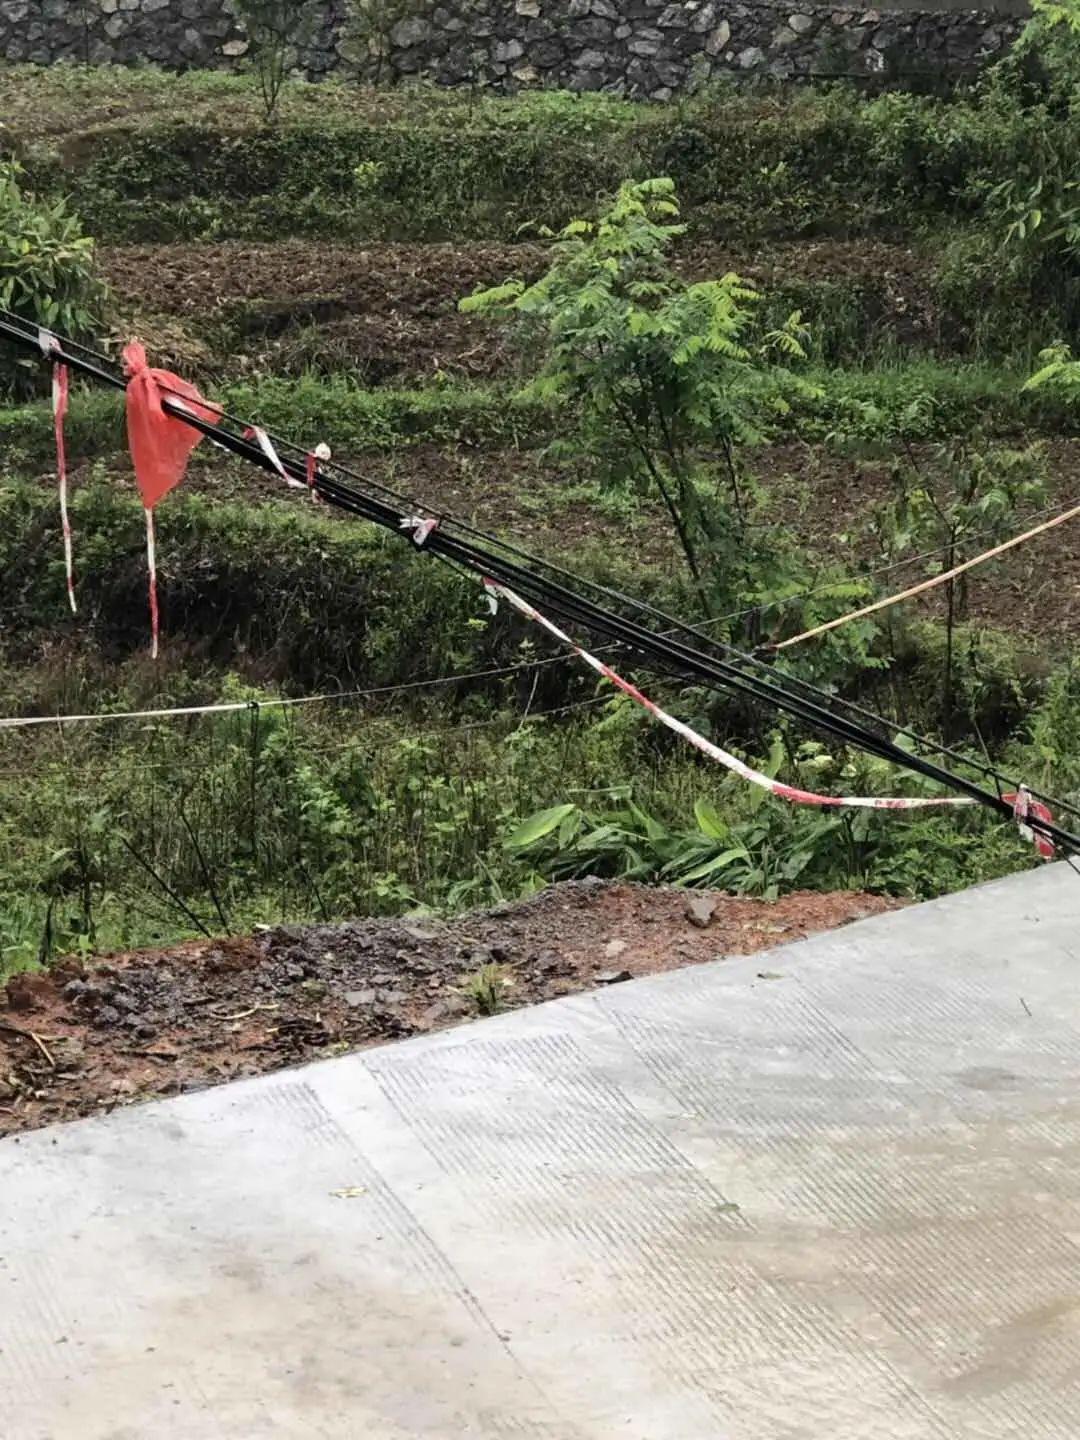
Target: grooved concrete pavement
[838,1203]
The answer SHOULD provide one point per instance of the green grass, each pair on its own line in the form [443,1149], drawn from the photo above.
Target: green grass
[153,157]
[915,400]
[67,100]
[268,815]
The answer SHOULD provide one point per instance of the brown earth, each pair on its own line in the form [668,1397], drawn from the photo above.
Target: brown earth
[388,312]
[78,1039]
[383,312]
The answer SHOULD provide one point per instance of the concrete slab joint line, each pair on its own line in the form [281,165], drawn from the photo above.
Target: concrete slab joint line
[831,1192]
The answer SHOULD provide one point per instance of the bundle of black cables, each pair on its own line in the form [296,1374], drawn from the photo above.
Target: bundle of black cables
[678,650]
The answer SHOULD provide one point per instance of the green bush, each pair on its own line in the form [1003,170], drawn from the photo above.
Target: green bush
[46,271]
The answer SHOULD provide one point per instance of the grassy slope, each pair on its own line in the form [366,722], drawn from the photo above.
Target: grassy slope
[290,597]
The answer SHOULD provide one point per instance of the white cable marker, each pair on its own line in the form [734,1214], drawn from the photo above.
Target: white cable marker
[420,526]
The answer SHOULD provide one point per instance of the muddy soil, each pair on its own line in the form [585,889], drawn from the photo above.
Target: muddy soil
[79,1039]
[387,313]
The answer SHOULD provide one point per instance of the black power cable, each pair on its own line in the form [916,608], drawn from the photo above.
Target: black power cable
[28,334]
[665,652]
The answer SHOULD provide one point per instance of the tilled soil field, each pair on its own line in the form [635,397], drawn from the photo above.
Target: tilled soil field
[388,313]
[79,1039]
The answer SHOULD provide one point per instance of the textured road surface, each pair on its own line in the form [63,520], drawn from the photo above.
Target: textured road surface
[829,1193]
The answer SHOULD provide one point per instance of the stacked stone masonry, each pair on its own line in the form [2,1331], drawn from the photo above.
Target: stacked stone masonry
[643,48]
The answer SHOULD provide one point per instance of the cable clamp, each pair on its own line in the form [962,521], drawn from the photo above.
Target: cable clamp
[420,526]
[1024,808]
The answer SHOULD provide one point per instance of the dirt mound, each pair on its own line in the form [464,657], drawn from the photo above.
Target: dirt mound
[79,1039]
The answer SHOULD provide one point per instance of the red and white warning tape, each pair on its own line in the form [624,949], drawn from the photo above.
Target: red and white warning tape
[266,445]
[50,345]
[312,460]
[1023,804]
[420,526]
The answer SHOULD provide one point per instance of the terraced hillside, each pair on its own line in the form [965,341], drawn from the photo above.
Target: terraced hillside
[308,275]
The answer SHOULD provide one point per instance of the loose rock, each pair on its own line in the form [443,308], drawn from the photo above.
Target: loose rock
[700,910]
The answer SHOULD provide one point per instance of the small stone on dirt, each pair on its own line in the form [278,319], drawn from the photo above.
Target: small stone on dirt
[355,998]
[614,948]
[314,989]
[700,910]
[25,990]
[613,977]
[550,962]
[418,933]
[443,1010]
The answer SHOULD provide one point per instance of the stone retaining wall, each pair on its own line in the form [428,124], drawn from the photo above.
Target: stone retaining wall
[648,48]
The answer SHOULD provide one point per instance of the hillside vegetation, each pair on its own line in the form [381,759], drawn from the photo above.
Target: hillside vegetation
[848,416]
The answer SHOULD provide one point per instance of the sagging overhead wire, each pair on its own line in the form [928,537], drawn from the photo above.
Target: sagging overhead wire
[569,604]
[98,366]
[932,583]
[455,542]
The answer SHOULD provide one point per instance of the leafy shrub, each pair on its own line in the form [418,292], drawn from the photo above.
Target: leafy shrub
[46,269]
[656,369]
[274,27]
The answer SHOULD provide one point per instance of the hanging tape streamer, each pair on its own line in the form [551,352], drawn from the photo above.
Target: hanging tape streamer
[151,570]
[756,777]
[50,347]
[160,445]
[266,445]
[1024,807]
[321,453]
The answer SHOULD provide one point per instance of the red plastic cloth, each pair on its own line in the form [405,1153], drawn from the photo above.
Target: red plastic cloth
[1024,807]
[160,444]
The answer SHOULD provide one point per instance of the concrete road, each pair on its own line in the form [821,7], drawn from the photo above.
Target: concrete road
[828,1193]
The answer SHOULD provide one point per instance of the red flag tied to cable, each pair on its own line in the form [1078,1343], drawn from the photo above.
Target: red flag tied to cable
[160,444]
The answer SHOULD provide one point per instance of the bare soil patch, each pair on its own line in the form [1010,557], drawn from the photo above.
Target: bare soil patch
[388,312]
[84,1038]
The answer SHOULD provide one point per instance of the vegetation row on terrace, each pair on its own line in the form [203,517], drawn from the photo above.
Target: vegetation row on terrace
[757,357]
